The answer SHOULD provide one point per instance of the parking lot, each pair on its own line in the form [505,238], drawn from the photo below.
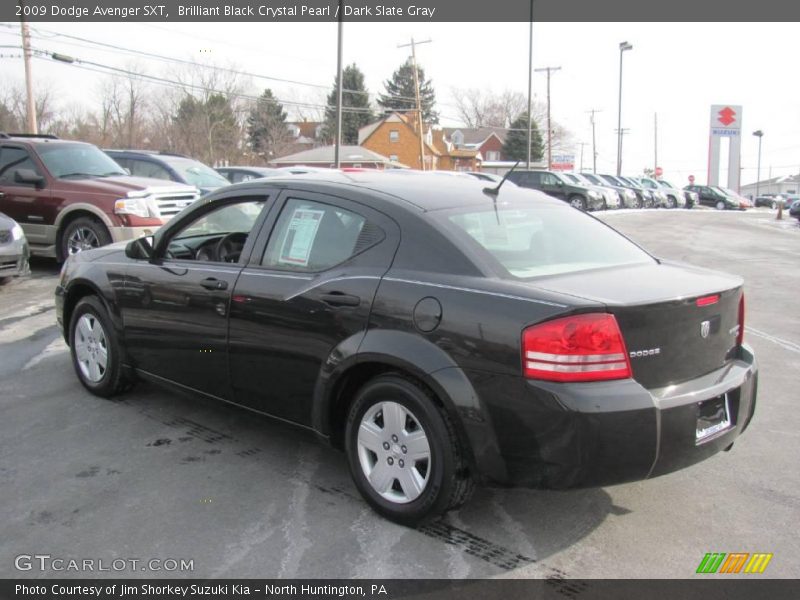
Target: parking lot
[154,475]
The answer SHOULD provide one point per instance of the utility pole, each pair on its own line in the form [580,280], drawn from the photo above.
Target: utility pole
[339,87]
[655,142]
[26,51]
[594,147]
[413,45]
[549,126]
[623,47]
[530,84]
[580,170]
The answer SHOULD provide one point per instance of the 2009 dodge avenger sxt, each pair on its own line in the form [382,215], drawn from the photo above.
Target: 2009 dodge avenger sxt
[441,332]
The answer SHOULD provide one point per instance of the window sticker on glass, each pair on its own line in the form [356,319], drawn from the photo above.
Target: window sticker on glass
[300,235]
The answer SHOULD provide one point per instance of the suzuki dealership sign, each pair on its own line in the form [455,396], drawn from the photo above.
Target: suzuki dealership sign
[726,122]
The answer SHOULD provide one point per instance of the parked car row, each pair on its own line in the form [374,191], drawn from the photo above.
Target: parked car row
[592,191]
[719,197]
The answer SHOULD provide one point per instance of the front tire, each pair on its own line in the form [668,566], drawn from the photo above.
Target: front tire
[95,349]
[578,202]
[82,234]
[672,202]
[405,456]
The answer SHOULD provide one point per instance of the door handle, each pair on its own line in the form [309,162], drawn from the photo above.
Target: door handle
[340,299]
[212,283]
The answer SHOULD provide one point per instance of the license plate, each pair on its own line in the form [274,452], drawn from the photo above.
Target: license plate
[713,416]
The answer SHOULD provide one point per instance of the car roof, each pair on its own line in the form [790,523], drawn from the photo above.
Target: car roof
[424,191]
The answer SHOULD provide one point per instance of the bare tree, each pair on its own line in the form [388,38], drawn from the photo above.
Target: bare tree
[480,108]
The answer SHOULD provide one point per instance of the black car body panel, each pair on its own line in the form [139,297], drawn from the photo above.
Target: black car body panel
[413,299]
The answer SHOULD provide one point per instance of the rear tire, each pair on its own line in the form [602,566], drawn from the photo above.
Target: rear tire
[405,455]
[95,349]
[720,205]
[82,234]
[672,202]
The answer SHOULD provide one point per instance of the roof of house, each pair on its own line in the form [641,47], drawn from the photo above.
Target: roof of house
[776,180]
[307,128]
[476,135]
[325,155]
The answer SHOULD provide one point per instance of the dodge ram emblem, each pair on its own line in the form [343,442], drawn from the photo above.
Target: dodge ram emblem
[705,327]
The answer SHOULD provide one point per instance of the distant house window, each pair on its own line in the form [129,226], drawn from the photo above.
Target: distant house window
[294,130]
[393,157]
[394,135]
[493,155]
[458,138]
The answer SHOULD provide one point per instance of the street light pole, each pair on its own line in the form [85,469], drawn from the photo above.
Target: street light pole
[622,48]
[548,70]
[759,134]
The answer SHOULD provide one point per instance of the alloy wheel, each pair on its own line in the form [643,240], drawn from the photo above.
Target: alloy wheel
[394,452]
[91,348]
[83,238]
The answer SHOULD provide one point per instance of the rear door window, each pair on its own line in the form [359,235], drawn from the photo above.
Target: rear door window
[312,236]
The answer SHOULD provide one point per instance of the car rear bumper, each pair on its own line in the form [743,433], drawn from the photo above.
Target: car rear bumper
[14,259]
[594,434]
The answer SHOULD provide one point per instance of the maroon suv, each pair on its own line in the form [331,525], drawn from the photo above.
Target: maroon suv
[70,196]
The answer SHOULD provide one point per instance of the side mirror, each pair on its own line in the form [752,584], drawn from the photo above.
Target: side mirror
[28,176]
[140,249]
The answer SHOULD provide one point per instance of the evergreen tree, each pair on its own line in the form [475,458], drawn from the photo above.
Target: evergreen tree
[208,129]
[400,92]
[514,147]
[354,97]
[266,126]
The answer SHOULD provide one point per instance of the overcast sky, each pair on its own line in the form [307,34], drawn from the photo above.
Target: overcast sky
[675,69]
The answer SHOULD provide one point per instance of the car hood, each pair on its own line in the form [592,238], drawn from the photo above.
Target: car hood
[123,184]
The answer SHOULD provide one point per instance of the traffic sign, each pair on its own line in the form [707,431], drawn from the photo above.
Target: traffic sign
[659,171]
[691,178]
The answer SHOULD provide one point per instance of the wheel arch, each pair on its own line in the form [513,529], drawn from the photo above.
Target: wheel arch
[427,365]
[82,288]
[74,212]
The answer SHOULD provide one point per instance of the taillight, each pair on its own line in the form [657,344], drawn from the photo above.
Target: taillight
[585,347]
[708,300]
[740,334]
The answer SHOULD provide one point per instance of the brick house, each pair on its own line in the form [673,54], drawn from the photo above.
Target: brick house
[396,136]
[487,140]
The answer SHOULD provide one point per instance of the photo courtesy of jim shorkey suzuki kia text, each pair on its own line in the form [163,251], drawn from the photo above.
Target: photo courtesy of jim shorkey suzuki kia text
[125,590]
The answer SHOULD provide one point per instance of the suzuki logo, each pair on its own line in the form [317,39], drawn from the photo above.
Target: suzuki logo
[705,328]
[726,117]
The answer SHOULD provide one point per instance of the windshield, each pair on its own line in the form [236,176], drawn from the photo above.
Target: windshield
[77,161]
[572,178]
[196,173]
[610,180]
[627,181]
[593,179]
[666,184]
[722,190]
[648,183]
[534,241]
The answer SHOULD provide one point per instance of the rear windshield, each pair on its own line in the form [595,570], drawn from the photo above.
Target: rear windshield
[196,173]
[525,242]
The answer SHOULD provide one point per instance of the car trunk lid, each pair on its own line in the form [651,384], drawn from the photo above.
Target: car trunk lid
[670,336]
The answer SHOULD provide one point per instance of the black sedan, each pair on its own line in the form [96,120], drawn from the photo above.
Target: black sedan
[440,331]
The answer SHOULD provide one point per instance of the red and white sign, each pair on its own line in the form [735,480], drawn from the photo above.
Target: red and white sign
[563,162]
[659,171]
[726,118]
[691,178]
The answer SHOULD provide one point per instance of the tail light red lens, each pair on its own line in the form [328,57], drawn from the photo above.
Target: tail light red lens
[585,347]
[707,300]
[740,334]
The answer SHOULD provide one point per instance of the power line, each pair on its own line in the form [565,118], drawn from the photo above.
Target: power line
[172,59]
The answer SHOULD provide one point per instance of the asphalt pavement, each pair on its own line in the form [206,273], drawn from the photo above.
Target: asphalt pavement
[154,475]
